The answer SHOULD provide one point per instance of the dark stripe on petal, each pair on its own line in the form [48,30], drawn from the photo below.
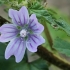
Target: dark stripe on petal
[36,37]
[14,43]
[12,46]
[19,20]
[12,32]
[31,21]
[35,29]
[18,47]
[24,18]
[10,36]
[15,19]
[21,50]
[33,40]
[33,25]
[10,27]
[31,45]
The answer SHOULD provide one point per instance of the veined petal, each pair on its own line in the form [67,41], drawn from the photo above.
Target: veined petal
[19,54]
[8,28]
[11,48]
[24,15]
[39,29]
[31,48]
[14,15]
[35,26]
[33,42]
[14,46]
[7,37]
[32,21]
[20,17]
[8,32]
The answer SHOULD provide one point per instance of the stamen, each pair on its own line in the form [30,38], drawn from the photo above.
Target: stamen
[23,33]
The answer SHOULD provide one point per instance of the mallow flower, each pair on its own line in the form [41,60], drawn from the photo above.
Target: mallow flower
[23,33]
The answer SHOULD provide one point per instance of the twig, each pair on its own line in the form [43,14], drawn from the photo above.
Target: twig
[51,58]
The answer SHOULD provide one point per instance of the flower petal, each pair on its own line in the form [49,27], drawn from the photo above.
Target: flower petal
[19,17]
[8,32]
[19,54]
[15,46]
[11,48]
[14,15]
[33,42]
[32,21]
[35,26]
[7,37]
[6,28]
[39,29]
[24,15]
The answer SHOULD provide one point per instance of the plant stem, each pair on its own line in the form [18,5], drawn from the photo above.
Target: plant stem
[47,33]
[51,58]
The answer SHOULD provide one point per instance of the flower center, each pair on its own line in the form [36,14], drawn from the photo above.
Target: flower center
[23,33]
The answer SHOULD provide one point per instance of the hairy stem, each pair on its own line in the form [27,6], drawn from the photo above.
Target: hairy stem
[51,58]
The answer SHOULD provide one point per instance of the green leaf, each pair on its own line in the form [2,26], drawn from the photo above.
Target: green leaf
[2,50]
[62,46]
[60,21]
[19,1]
[39,10]
[10,64]
[24,65]
[63,25]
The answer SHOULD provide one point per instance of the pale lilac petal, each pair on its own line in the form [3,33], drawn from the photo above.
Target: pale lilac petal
[7,37]
[8,32]
[24,15]
[33,42]
[12,47]
[14,15]
[8,28]
[35,26]
[32,18]
[32,21]
[39,29]
[15,46]
[20,17]
[31,48]
[19,54]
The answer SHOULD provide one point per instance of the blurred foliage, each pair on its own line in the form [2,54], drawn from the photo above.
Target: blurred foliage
[15,4]
[62,46]
[8,1]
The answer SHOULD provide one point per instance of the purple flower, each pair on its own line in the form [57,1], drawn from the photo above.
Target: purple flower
[23,33]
